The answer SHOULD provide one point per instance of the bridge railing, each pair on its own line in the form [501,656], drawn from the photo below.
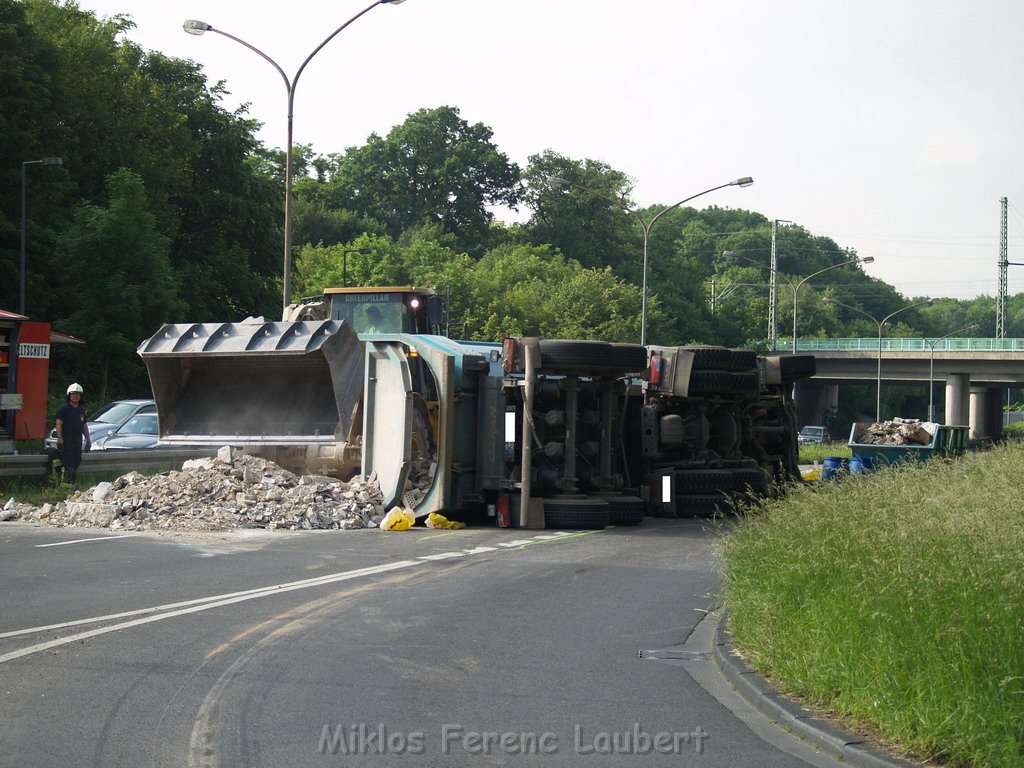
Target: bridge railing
[904,345]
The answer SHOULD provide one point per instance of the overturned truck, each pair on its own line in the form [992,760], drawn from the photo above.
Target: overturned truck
[536,432]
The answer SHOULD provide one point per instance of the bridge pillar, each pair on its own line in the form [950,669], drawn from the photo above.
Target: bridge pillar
[979,400]
[814,399]
[958,399]
[994,413]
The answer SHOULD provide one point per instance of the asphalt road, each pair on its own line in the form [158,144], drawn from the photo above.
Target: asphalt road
[361,648]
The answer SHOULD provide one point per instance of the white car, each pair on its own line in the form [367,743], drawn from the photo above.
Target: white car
[108,418]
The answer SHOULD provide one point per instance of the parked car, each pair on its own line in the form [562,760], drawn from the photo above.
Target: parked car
[108,418]
[140,431]
[813,435]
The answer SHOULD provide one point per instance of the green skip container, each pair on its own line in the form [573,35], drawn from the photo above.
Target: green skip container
[947,441]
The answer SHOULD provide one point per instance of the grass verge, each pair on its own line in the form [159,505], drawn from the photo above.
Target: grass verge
[39,490]
[896,600]
[816,452]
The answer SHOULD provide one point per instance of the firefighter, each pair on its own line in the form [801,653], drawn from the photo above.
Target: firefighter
[72,429]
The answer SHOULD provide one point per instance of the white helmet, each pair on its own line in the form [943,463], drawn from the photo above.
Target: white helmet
[75,388]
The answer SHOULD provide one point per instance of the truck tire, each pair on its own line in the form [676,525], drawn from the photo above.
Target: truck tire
[701,505]
[793,367]
[628,358]
[750,480]
[704,480]
[576,514]
[722,383]
[559,355]
[625,510]
[743,360]
[709,358]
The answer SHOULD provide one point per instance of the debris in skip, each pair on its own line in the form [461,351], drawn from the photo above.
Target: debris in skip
[230,491]
[897,432]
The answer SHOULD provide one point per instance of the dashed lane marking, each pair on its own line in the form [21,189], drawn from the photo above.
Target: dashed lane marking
[80,541]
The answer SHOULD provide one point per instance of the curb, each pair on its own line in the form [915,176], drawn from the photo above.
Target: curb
[791,716]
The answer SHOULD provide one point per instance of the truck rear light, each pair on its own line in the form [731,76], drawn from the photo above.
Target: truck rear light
[657,365]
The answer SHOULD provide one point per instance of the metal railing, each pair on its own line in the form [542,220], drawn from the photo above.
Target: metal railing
[105,461]
[870,344]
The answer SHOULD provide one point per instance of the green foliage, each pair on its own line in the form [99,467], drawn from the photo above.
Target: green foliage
[118,257]
[433,168]
[893,599]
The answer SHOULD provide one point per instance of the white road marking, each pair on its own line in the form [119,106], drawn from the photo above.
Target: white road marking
[79,541]
[170,610]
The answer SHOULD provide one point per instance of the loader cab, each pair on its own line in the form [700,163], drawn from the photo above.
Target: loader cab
[386,309]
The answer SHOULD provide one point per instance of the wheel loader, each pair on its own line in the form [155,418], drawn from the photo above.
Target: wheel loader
[534,432]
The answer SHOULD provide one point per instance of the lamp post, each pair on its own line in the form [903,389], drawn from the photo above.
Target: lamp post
[880,324]
[194,27]
[556,182]
[24,205]
[797,285]
[931,364]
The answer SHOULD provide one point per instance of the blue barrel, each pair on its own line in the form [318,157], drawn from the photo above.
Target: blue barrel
[860,465]
[831,467]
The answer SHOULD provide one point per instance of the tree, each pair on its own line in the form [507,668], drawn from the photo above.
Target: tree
[121,287]
[433,168]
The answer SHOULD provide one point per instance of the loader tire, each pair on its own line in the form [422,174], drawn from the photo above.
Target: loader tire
[576,514]
[561,356]
[625,510]
[701,505]
[704,480]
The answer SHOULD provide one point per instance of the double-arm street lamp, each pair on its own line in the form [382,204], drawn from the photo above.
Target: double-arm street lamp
[796,285]
[880,324]
[931,364]
[24,205]
[194,27]
[556,182]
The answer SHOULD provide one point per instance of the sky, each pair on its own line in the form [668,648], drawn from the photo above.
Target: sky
[892,126]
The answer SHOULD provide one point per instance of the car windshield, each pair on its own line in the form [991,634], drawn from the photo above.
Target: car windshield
[814,431]
[113,413]
[143,424]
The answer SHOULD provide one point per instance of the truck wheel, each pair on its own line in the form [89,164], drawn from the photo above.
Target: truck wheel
[574,356]
[793,367]
[709,358]
[576,514]
[629,358]
[625,510]
[753,480]
[701,505]
[743,360]
[704,480]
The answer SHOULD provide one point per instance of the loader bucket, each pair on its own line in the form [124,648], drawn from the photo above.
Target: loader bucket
[262,383]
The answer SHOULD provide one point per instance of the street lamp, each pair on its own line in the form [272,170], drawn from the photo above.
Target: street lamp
[880,324]
[556,182]
[931,364]
[194,27]
[24,197]
[797,285]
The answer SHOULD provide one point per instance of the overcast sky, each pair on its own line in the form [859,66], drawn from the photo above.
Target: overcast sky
[892,126]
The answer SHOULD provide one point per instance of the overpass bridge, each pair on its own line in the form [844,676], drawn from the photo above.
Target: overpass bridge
[976,374]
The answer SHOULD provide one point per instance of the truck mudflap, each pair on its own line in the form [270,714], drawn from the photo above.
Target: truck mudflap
[273,383]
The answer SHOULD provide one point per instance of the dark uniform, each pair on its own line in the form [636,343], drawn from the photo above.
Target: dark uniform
[72,420]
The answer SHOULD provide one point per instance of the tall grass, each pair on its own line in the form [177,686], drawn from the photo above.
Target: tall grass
[895,599]
[816,452]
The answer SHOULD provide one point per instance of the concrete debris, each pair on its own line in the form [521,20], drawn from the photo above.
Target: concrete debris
[230,491]
[897,432]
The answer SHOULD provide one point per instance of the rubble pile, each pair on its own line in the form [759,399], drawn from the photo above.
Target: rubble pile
[229,491]
[897,432]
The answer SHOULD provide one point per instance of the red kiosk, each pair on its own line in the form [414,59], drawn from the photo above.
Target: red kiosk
[24,377]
